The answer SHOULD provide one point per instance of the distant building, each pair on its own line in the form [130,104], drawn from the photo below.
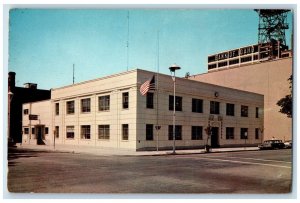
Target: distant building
[247,55]
[18,96]
[260,69]
[111,112]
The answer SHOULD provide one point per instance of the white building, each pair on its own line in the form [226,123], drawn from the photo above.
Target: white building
[111,112]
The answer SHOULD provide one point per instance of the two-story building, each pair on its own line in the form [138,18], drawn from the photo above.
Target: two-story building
[110,112]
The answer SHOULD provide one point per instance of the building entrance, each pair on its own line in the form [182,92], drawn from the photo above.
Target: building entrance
[215,137]
[40,135]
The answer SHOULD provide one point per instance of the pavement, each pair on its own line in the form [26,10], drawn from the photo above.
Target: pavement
[123,152]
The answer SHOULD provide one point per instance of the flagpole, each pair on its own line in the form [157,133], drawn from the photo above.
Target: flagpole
[157,127]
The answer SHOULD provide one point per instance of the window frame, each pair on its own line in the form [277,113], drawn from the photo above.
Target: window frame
[105,100]
[26,111]
[85,132]
[244,111]
[178,103]
[57,109]
[70,107]
[230,108]
[85,105]
[69,134]
[26,131]
[197,132]
[150,100]
[125,100]
[125,132]
[178,132]
[197,105]
[242,135]
[103,132]
[56,131]
[214,107]
[229,133]
[257,133]
[149,132]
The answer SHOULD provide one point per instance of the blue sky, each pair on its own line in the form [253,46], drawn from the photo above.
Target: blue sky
[44,44]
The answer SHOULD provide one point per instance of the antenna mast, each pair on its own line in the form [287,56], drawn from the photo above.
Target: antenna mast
[127,40]
[73,72]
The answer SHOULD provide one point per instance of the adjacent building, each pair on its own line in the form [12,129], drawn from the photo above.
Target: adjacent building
[110,112]
[17,96]
[263,69]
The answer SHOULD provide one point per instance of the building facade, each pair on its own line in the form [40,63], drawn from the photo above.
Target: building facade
[110,112]
[269,78]
[16,98]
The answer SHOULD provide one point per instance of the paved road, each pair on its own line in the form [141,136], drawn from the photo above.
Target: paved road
[252,172]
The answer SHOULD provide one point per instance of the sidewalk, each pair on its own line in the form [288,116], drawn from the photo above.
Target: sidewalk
[122,152]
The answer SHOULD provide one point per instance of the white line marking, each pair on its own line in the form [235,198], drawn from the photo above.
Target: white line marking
[261,159]
[244,162]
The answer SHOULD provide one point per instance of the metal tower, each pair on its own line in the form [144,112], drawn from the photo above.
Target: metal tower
[272,25]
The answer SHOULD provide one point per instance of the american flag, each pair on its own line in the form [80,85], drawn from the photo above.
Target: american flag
[148,85]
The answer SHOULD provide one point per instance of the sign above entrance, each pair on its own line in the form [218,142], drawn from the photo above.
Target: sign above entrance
[33,117]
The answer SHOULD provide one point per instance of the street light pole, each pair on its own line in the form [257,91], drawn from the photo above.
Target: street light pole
[173,68]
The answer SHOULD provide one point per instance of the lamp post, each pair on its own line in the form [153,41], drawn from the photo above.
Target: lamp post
[172,69]
[10,96]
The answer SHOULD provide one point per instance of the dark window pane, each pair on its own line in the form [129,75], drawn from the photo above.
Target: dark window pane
[214,107]
[244,133]
[125,100]
[177,132]
[125,133]
[197,133]
[229,133]
[178,103]
[149,132]
[244,111]
[150,97]
[230,109]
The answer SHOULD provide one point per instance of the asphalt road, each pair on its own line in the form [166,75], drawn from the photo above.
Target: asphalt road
[251,172]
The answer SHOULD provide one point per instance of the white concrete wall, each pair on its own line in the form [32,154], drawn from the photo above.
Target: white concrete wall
[188,89]
[114,86]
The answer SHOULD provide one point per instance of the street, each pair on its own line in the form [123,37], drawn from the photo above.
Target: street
[251,172]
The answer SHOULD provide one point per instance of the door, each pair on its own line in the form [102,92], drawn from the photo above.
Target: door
[40,134]
[215,137]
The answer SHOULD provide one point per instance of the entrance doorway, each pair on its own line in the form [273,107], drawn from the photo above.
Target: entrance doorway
[40,135]
[215,137]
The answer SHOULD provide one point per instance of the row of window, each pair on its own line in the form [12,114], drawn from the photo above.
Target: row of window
[197,105]
[104,132]
[103,104]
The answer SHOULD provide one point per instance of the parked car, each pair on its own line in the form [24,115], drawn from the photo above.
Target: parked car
[272,144]
[288,144]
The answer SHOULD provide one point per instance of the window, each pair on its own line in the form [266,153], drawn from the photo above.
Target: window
[212,66]
[197,105]
[57,132]
[104,103]
[86,132]
[256,112]
[178,103]
[149,100]
[70,132]
[257,133]
[46,130]
[32,131]
[221,64]
[125,133]
[70,107]
[234,61]
[26,130]
[197,133]
[214,107]
[229,133]
[149,132]
[86,105]
[244,111]
[178,129]
[25,111]
[125,99]
[56,108]
[103,132]
[246,59]
[230,109]
[244,133]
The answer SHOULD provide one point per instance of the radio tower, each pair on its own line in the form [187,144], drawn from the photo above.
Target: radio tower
[272,25]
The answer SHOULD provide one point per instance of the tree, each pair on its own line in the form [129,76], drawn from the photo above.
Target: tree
[286,103]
